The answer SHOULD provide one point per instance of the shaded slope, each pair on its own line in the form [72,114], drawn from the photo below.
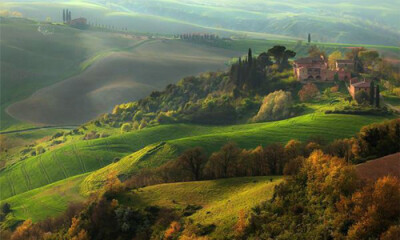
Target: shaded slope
[377,168]
[119,77]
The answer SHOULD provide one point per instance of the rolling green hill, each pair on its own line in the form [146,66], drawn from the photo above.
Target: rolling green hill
[85,156]
[221,200]
[213,196]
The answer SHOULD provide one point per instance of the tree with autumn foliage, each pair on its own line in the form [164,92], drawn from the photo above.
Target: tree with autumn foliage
[308,92]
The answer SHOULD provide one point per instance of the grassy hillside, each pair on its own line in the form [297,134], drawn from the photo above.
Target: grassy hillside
[330,127]
[119,76]
[32,59]
[85,156]
[213,196]
[221,200]
[47,201]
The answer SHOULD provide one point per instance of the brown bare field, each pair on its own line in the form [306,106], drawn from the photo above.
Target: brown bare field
[117,78]
[374,169]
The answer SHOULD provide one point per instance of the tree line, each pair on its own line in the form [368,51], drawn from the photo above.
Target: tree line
[198,36]
[373,141]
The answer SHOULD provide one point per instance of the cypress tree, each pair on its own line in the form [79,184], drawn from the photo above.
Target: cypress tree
[371,93]
[63,15]
[250,57]
[377,95]
[309,38]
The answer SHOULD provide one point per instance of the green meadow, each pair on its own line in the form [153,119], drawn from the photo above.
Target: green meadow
[85,156]
[221,200]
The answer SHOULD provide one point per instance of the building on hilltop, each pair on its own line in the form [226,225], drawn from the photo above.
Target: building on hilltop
[356,86]
[317,69]
[80,23]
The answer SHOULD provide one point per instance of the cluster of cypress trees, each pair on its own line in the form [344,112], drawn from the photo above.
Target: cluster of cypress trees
[251,72]
[66,15]
[374,94]
[247,73]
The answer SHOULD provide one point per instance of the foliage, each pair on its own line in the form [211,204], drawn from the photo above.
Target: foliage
[308,92]
[362,97]
[275,106]
[336,55]
[210,98]
[325,199]
[314,51]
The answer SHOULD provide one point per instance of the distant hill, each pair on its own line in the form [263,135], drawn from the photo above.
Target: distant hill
[377,168]
[358,21]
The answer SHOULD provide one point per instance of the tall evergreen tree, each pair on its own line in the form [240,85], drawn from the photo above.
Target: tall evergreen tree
[250,57]
[309,38]
[371,93]
[377,95]
[63,15]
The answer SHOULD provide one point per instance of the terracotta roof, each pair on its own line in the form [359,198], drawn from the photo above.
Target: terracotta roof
[309,60]
[361,84]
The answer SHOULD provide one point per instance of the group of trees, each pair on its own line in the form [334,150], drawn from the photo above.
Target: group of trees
[199,36]
[324,199]
[230,161]
[66,16]
[250,73]
[210,98]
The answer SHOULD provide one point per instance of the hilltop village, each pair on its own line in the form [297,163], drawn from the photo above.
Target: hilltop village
[317,69]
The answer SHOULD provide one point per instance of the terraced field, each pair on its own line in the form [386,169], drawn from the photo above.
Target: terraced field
[86,156]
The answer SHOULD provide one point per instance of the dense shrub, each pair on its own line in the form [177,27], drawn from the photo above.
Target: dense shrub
[275,106]
[308,92]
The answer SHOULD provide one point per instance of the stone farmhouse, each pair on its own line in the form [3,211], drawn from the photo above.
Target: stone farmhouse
[356,86]
[78,22]
[317,69]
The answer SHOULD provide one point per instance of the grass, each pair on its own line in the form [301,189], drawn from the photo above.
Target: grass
[221,200]
[47,182]
[29,56]
[13,143]
[330,127]
[116,76]
[86,156]
[48,201]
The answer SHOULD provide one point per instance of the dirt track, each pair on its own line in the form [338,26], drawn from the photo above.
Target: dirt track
[120,77]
